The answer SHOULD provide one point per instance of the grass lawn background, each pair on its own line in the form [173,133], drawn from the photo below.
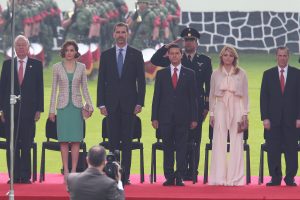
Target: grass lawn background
[253,63]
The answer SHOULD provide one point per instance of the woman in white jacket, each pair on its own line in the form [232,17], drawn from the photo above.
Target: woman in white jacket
[228,105]
[70,77]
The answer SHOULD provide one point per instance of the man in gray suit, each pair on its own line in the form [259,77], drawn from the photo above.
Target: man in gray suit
[93,183]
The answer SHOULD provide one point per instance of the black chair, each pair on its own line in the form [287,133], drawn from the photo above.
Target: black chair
[208,147]
[53,145]
[158,145]
[33,147]
[264,148]
[135,145]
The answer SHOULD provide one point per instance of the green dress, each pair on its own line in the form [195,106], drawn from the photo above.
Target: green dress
[69,120]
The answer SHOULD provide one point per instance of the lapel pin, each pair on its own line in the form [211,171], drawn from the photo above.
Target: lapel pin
[30,66]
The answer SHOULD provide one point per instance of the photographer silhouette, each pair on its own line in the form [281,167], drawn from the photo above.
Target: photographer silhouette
[93,183]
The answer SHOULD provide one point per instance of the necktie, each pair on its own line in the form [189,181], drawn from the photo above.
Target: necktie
[120,62]
[174,78]
[282,80]
[20,73]
[190,58]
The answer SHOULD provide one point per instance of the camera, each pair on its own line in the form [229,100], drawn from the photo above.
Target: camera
[111,168]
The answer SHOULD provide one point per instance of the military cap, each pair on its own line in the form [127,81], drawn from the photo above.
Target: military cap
[190,33]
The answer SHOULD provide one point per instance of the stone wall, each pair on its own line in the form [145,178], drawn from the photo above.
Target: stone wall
[245,30]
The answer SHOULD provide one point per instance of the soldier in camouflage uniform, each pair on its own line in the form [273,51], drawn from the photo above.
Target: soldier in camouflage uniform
[77,26]
[51,20]
[122,9]
[94,32]
[173,16]
[142,31]
[113,15]
[21,21]
[164,29]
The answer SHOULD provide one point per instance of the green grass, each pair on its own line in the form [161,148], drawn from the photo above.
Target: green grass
[254,64]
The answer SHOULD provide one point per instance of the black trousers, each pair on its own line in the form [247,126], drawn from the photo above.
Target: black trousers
[174,137]
[24,132]
[282,139]
[120,133]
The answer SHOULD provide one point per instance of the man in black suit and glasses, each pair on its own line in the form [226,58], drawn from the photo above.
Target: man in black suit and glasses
[29,84]
[174,112]
[121,93]
[280,113]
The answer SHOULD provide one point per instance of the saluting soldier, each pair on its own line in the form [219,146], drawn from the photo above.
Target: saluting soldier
[201,64]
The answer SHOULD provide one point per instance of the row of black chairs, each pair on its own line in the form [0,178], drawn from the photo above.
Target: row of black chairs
[52,144]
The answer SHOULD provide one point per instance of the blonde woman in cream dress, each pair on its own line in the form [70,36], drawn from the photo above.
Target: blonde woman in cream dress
[228,104]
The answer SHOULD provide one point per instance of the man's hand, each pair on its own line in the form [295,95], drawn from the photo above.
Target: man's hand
[2,117]
[245,120]
[155,124]
[212,121]
[37,116]
[137,109]
[298,123]
[51,117]
[103,111]
[193,125]
[204,114]
[173,42]
[267,124]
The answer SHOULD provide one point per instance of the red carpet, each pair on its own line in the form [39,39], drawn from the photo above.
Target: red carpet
[53,188]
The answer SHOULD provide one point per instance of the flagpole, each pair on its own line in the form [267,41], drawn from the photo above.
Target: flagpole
[13,100]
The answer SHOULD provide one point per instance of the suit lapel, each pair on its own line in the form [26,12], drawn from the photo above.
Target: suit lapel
[16,73]
[114,59]
[27,71]
[181,77]
[126,60]
[288,79]
[169,77]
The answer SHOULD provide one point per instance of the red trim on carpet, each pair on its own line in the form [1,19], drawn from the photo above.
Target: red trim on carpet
[53,188]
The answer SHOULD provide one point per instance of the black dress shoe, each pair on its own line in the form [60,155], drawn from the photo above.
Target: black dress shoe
[291,184]
[271,183]
[25,181]
[179,182]
[169,182]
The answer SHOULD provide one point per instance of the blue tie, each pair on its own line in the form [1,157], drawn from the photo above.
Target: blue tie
[120,62]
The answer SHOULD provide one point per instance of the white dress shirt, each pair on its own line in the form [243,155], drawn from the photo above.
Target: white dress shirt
[24,64]
[284,73]
[123,52]
[178,70]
